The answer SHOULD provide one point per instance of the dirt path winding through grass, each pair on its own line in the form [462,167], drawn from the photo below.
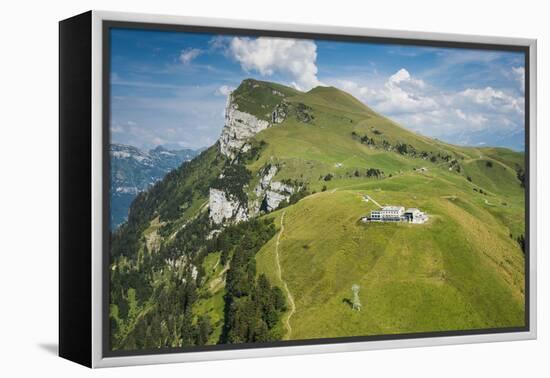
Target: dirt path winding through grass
[285,286]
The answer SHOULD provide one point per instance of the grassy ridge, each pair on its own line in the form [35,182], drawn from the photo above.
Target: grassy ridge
[461,270]
[453,273]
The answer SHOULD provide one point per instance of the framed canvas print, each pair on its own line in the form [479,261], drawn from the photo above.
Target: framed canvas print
[239,189]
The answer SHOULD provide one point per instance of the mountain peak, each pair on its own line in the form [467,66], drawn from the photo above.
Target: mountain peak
[159,148]
[250,84]
[338,97]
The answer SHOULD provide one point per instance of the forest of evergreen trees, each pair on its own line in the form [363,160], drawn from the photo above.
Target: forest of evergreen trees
[151,301]
[252,306]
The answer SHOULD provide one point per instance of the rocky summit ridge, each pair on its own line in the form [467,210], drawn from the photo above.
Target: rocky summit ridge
[239,127]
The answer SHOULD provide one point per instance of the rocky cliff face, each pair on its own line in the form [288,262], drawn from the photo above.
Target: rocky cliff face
[269,193]
[277,193]
[260,189]
[238,128]
[282,188]
[272,200]
[280,113]
[223,208]
[265,181]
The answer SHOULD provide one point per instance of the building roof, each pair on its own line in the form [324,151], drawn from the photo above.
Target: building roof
[412,210]
[394,208]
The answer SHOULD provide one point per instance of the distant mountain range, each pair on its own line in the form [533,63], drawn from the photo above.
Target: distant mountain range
[134,170]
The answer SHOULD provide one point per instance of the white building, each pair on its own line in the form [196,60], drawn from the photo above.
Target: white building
[388,214]
[396,214]
[414,215]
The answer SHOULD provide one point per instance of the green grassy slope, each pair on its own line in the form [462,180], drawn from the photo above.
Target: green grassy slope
[211,295]
[259,98]
[326,145]
[461,270]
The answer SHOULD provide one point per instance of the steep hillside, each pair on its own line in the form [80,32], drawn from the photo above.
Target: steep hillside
[213,231]
[461,270]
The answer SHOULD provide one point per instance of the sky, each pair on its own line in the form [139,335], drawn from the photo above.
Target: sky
[170,88]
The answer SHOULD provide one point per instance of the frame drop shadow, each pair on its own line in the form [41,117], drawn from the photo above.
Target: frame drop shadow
[51,348]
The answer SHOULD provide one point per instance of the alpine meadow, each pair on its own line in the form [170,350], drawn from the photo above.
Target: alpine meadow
[314,215]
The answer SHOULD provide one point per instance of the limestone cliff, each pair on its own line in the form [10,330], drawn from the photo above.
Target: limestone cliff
[223,208]
[269,193]
[238,128]
[244,118]
[277,193]
[260,190]
[272,200]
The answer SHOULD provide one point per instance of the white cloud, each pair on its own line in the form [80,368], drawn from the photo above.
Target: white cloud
[187,55]
[519,74]
[404,77]
[293,57]
[224,90]
[191,115]
[467,116]
[362,92]
[219,42]
[400,93]
[476,119]
[405,94]
[493,99]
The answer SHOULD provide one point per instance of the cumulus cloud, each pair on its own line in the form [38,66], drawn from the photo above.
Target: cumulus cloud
[400,93]
[460,116]
[493,99]
[224,90]
[363,92]
[293,57]
[404,77]
[476,119]
[187,55]
[404,94]
[219,42]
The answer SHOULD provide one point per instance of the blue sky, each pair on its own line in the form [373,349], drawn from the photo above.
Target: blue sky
[170,88]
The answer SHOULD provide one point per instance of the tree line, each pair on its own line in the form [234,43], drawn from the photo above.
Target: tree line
[252,306]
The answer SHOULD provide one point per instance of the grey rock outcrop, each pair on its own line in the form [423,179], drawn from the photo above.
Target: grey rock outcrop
[223,208]
[280,187]
[269,193]
[302,112]
[277,193]
[266,179]
[280,113]
[238,128]
[273,199]
[260,189]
